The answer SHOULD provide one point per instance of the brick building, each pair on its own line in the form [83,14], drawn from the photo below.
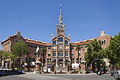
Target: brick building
[60,54]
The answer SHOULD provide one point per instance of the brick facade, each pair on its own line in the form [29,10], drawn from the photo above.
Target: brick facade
[60,52]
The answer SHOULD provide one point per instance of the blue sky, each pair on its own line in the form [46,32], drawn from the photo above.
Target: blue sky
[37,19]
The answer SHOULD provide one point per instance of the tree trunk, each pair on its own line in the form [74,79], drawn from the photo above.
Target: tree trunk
[19,63]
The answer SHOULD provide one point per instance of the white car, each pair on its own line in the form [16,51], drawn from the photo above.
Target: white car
[116,75]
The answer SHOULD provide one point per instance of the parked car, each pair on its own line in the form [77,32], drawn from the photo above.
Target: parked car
[17,70]
[116,74]
[3,73]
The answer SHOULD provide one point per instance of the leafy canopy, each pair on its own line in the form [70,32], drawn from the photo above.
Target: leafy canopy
[114,50]
[20,48]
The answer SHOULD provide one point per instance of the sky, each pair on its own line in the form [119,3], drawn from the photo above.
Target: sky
[37,19]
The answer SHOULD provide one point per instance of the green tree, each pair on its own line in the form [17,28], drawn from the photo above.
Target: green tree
[43,50]
[9,56]
[113,51]
[1,53]
[94,54]
[20,49]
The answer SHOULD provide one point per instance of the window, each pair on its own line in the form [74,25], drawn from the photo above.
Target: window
[54,53]
[60,54]
[54,42]
[72,54]
[60,39]
[66,42]
[17,40]
[104,41]
[49,54]
[49,47]
[48,61]
[66,53]
[101,42]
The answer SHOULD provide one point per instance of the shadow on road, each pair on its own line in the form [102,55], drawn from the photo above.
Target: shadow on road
[10,72]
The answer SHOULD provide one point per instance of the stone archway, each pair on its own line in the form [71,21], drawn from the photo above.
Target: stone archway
[53,64]
[60,63]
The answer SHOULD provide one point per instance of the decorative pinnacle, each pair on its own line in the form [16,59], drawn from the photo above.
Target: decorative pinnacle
[60,8]
[60,17]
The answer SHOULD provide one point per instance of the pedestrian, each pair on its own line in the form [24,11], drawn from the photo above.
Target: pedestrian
[40,71]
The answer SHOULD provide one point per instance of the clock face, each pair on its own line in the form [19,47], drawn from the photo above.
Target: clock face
[60,46]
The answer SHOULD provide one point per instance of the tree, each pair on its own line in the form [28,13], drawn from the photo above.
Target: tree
[94,54]
[9,56]
[113,51]
[20,49]
[1,53]
[43,50]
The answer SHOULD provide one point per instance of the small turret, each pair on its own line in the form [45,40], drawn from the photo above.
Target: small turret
[18,33]
[69,36]
[102,33]
[52,36]
[60,17]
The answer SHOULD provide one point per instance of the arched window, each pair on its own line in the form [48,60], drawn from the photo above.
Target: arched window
[104,41]
[60,54]
[54,53]
[66,53]
[54,42]
[49,54]
[66,42]
[60,39]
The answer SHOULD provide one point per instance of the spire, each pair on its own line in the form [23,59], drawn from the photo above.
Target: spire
[60,17]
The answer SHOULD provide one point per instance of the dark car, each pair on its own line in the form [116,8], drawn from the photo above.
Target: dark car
[17,70]
[3,73]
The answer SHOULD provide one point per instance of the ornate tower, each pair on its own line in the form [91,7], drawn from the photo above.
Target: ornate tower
[60,46]
[60,27]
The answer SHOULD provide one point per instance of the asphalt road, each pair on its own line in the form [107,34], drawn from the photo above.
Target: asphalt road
[58,77]
[13,78]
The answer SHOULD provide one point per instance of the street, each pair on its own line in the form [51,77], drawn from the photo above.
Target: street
[58,77]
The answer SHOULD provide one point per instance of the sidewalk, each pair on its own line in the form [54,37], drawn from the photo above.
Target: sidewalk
[58,74]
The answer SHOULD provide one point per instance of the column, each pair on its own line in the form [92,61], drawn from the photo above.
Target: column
[64,62]
[2,63]
[56,62]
